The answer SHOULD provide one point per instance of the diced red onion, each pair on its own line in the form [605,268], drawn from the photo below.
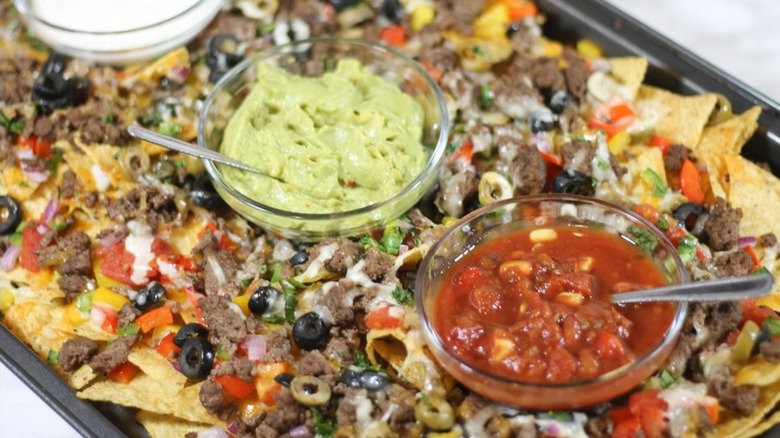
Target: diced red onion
[36,175]
[600,64]
[178,73]
[96,315]
[9,258]
[254,345]
[552,429]
[51,210]
[746,241]
[541,143]
[213,432]
[42,228]
[403,248]
[234,427]
[300,432]
[115,237]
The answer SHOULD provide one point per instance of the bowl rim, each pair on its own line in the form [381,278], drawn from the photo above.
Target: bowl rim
[432,164]
[24,7]
[434,340]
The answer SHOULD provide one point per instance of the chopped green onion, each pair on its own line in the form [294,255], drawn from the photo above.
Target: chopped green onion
[53,358]
[478,51]
[392,239]
[485,97]
[667,380]
[323,428]
[403,296]
[84,302]
[643,238]
[16,126]
[171,129]
[772,324]
[128,330]
[651,178]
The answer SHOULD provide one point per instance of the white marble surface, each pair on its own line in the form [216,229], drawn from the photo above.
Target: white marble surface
[741,37]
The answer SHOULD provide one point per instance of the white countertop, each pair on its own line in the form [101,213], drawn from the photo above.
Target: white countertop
[738,36]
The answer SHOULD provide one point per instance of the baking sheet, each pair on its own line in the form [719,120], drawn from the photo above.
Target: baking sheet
[672,67]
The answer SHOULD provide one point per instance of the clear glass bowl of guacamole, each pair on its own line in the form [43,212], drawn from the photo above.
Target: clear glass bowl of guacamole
[351,134]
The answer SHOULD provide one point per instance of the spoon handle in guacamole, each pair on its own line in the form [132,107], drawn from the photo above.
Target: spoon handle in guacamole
[722,289]
[186,148]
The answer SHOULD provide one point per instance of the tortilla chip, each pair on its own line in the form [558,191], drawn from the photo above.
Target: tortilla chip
[758,372]
[165,426]
[154,365]
[733,424]
[755,191]
[630,71]
[82,377]
[408,356]
[640,159]
[680,118]
[30,321]
[728,136]
[763,426]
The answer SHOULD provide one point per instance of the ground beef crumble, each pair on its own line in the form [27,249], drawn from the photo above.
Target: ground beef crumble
[722,226]
[113,355]
[76,352]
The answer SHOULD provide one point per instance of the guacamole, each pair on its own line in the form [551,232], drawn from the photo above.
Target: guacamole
[332,143]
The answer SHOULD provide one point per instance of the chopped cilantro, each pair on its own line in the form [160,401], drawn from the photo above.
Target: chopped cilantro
[53,358]
[290,302]
[485,97]
[772,324]
[170,129]
[761,270]
[16,238]
[201,60]
[560,415]
[180,164]
[296,283]
[109,118]
[84,302]
[273,319]
[417,240]
[603,165]
[392,239]
[455,144]
[363,364]
[16,126]
[478,51]
[128,330]
[323,427]
[276,276]
[222,353]
[57,157]
[662,223]
[643,238]
[652,179]
[152,119]
[667,380]
[369,242]
[687,248]
[403,296]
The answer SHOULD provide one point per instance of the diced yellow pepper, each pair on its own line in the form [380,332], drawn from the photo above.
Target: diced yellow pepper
[588,49]
[6,299]
[102,280]
[73,314]
[162,330]
[243,302]
[619,142]
[107,296]
[421,16]
[448,221]
[493,22]
[552,49]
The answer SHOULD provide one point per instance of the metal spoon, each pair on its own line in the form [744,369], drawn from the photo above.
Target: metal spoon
[186,148]
[723,289]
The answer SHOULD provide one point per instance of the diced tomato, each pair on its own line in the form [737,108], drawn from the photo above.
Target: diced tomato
[628,428]
[31,240]
[751,311]
[660,141]
[518,12]
[468,277]
[649,408]
[731,338]
[675,234]
[385,317]
[713,410]
[620,414]
[690,182]
[753,256]
[155,318]
[235,386]
[40,147]
[648,212]
[552,158]
[117,263]
[166,348]
[607,127]
[464,153]
[110,320]
[435,72]
[621,113]
[609,346]
[393,36]
[224,242]
[123,373]
[614,116]
[194,297]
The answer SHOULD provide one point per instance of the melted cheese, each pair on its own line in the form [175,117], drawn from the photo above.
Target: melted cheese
[313,272]
[684,398]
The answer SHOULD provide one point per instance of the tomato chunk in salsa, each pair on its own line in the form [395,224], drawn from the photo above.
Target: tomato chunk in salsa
[533,305]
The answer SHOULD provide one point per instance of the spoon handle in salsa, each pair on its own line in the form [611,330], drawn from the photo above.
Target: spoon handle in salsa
[722,289]
[186,148]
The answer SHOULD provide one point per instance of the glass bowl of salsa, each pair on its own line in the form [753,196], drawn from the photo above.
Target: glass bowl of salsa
[514,301]
[350,134]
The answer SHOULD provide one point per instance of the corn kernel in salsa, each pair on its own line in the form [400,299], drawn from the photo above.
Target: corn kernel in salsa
[537,309]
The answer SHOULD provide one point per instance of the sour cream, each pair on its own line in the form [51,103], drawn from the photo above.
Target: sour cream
[117,31]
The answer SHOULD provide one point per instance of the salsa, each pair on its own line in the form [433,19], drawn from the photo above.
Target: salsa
[533,305]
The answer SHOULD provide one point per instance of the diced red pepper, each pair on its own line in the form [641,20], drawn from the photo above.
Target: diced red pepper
[40,147]
[31,240]
[155,318]
[123,373]
[753,256]
[393,36]
[166,348]
[751,311]
[660,141]
[690,182]
[607,127]
[435,72]
[235,386]
[552,158]
[383,318]
[464,153]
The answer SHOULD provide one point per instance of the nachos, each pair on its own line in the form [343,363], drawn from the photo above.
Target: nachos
[124,270]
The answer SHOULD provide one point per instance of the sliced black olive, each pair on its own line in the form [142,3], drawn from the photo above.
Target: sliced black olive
[763,336]
[196,358]
[261,299]
[189,331]
[51,90]
[573,182]
[204,194]
[350,378]
[393,10]
[284,379]
[559,101]
[340,5]
[222,55]
[10,215]
[688,214]
[374,381]
[299,258]
[289,31]
[542,120]
[310,331]
[149,296]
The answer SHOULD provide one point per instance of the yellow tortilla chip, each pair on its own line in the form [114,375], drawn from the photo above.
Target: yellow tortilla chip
[30,321]
[144,392]
[763,426]
[733,424]
[82,377]
[755,191]
[407,355]
[758,372]
[728,136]
[154,365]
[680,118]
[165,426]
[630,71]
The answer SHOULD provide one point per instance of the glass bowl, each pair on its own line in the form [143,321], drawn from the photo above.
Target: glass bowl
[116,32]
[531,212]
[311,58]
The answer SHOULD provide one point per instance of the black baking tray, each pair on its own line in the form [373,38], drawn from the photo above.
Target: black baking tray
[671,67]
